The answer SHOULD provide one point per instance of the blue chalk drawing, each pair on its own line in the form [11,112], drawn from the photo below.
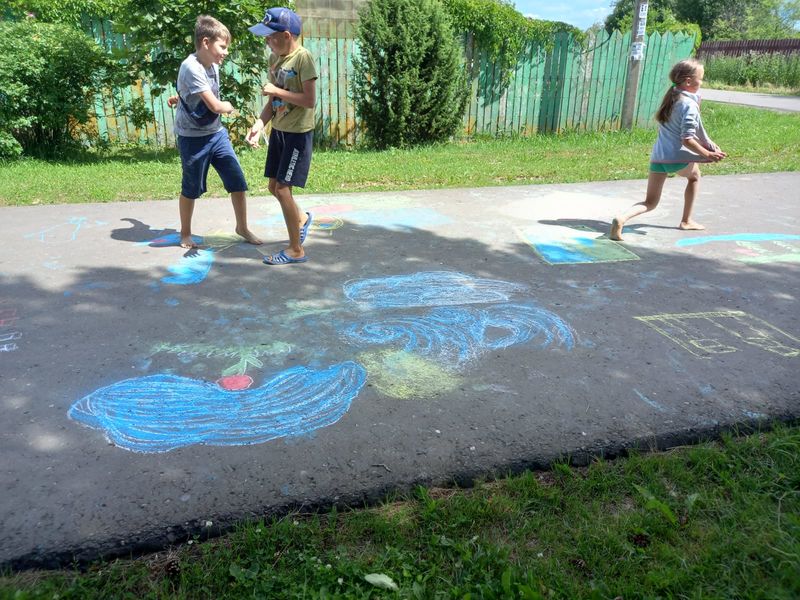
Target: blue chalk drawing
[162,412]
[55,234]
[190,269]
[431,288]
[456,336]
[562,245]
[737,237]
[171,239]
[649,402]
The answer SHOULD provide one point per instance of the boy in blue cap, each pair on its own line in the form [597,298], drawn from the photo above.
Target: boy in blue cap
[291,97]
[202,140]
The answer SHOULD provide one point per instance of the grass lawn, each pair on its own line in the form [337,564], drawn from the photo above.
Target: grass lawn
[756,140]
[716,520]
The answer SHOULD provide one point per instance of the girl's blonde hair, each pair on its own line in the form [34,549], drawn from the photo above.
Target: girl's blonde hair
[209,27]
[678,74]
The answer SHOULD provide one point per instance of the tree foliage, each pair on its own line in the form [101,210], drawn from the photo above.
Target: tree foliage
[48,74]
[160,35]
[501,31]
[64,12]
[409,85]
[718,19]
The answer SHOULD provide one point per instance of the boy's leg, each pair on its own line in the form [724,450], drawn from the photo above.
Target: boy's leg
[186,208]
[195,160]
[226,163]
[292,216]
[692,174]
[655,185]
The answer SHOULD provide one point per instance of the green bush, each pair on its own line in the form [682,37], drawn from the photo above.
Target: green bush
[755,69]
[409,85]
[47,76]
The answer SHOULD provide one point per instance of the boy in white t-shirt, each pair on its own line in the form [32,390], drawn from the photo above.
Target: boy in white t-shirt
[201,138]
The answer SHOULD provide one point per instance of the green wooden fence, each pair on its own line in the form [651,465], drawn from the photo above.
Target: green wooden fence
[567,87]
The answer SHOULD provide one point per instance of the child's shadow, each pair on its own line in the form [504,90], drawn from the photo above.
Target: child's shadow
[139,232]
[601,226]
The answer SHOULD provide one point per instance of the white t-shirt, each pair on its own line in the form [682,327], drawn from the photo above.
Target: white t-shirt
[194,79]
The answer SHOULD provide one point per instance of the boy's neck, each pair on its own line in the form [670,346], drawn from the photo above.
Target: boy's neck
[203,58]
[295,44]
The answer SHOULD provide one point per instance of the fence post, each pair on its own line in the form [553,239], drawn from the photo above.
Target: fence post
[634,63]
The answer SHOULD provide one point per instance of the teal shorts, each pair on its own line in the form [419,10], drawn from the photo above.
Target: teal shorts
[667,167]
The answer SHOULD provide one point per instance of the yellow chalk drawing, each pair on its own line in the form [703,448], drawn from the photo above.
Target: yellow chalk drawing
[709,333]
[403,375]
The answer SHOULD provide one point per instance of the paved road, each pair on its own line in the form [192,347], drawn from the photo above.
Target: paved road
[150,394]
[771,101]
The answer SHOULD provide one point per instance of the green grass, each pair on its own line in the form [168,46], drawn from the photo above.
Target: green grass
[716,520]
[758,89]
[756,140]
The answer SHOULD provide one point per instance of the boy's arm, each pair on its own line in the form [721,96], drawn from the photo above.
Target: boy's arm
[254,134]
[215,105]
[307,98]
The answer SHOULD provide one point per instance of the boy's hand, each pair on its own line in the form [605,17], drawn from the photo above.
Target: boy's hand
[254,134]
[226,108]
[269,90]
[172,101]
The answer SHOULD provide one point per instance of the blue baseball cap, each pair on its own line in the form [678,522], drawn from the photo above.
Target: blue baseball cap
[276,20]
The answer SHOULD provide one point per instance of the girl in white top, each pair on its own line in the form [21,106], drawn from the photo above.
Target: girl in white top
[682,143]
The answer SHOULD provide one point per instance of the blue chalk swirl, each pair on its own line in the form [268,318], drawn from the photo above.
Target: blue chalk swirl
[738,237]
[190,269]
[455,336]
[162,412]
[432,288]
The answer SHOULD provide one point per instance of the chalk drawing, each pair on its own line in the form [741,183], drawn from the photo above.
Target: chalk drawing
[398,374]
[455,336]
[558,245]
[63,232]
[8,339]
[326,223]
[191,269]
[649,402]
[245,356]
[709,333]
[162,412]
[737,237]
[431,288]
[756,248]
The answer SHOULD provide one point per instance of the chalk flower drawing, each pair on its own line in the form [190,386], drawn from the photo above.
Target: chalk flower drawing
[161,412]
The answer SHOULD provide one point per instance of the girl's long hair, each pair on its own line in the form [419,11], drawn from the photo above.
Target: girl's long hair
[678,74]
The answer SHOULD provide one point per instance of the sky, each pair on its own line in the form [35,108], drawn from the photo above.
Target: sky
[580,13]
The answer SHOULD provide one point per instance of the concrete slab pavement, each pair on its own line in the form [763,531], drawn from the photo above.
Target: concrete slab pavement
[150,394]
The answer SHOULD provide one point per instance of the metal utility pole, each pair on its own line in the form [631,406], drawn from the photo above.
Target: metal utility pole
[634,62]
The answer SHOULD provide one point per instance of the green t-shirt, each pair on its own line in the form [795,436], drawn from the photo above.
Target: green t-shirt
[288,73]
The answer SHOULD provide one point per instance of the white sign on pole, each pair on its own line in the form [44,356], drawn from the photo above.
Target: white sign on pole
[643,10]
[637,51]
[642,29]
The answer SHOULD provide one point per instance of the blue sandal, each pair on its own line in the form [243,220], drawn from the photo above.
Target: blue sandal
[281,258]
[304,228]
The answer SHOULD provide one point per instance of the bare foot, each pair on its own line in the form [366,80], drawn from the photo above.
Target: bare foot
[187,242]
[248,236]
[691,226]
[616,230]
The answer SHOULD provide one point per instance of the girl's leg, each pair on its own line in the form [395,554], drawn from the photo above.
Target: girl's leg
[692,174]
[655,183]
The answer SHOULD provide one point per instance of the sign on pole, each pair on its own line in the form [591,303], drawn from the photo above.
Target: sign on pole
[638,34]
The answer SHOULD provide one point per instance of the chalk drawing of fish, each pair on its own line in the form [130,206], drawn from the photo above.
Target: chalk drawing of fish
[162,412]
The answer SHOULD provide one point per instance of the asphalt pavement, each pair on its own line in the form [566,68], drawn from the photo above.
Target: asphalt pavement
[151,394]
[770,101]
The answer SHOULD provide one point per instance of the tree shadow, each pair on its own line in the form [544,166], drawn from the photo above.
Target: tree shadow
[72,496]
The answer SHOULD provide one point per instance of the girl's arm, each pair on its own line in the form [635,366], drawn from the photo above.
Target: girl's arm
[694,144]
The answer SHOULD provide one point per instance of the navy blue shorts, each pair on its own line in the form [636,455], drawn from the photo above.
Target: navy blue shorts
[199,153]
[289,157]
